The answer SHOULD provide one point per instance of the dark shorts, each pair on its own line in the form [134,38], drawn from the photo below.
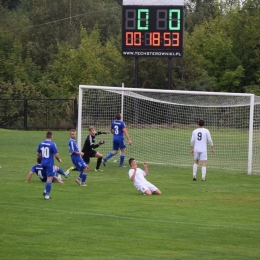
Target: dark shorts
[87,157]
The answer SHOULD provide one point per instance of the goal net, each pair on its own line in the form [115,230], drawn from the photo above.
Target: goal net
[160,124]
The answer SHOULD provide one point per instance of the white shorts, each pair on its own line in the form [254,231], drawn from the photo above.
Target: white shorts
[146,186]
[200,156]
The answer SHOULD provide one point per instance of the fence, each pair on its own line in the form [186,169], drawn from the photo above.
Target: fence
[38,114]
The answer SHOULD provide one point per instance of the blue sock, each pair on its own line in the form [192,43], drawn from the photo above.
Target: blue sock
[48,188]
[122,159]
[84,177]
[109,156]
[61,171]
[80,176]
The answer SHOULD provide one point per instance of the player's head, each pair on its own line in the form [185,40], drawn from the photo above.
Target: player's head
[118,116]
[39,160]
[91,130]
[131,161]
[49,135]
[201,122]
[72,133]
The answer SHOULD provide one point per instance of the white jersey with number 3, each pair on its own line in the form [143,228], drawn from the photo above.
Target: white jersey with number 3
[199,139]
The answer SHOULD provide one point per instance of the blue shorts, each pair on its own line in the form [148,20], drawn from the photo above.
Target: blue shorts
[50,170]
[79,164]
[118,144]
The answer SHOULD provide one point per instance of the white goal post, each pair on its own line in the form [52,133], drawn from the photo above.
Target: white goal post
[160,123]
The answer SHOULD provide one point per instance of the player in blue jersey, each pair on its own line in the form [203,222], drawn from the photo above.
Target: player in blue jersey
[47,150]
[77,160]
[118,129]
[40,172]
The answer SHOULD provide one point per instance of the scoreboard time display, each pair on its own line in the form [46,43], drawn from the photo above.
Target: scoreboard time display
[152,28]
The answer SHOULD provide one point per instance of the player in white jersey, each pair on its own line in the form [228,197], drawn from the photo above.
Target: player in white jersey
[137,176]
[199,139]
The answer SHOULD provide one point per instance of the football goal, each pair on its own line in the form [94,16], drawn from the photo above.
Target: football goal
[160,124]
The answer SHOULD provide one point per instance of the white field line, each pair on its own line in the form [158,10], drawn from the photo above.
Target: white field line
[131,218]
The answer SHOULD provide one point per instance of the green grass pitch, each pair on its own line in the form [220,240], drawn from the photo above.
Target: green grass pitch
[110,219]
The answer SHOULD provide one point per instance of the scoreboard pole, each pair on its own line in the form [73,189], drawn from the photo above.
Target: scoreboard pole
[136,71]
[170,73]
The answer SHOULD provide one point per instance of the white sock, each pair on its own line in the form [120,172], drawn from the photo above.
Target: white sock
[203,171]
[195,167]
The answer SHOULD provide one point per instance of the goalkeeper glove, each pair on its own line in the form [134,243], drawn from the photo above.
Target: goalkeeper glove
[101,142]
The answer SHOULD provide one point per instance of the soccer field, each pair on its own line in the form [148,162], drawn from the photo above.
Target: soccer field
[110,219]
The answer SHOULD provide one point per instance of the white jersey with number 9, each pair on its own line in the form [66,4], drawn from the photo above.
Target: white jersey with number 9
[199,139]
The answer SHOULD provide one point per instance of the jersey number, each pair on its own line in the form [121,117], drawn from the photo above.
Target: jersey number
[199,136]
[40,174]
[116,129]
[45,152]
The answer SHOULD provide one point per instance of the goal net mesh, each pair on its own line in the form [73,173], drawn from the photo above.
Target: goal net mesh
[160,125]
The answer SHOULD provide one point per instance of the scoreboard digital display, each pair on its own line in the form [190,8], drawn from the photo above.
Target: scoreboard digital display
[152,30]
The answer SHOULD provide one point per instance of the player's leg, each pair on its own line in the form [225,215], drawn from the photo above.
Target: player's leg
[111,154]
[153,189]
[84,170]
[77,165]
[122,147]
[195,166]
[99,157]
[50,171]
[144,189]
[203,159]
[60,171]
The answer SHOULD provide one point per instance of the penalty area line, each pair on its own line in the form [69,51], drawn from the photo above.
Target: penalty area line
[130,218]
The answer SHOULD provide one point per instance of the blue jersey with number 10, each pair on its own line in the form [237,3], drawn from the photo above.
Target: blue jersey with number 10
[118,127]
[47,149]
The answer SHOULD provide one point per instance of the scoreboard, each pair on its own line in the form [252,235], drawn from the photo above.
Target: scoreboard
[152,28]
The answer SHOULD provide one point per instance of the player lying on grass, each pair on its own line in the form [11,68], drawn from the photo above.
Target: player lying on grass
[137,176]
[40,172]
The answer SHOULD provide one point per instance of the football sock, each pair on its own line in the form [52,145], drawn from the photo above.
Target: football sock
[203,171]
[99,161]
[84,177]
[61,171]
[195,167]
[122,159]
[48,187]
[80,176]
[109,156]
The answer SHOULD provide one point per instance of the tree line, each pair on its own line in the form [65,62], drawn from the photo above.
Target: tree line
[48,48]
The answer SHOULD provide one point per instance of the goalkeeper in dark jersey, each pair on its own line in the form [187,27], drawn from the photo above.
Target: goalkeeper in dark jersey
[89,146]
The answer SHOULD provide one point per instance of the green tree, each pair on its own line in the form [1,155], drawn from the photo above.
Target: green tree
[212,49]
[244,31]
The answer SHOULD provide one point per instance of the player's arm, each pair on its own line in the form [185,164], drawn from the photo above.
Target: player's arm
[29,176]
[146,168]
[133,175]
[58,180]
[57,156]
[101,133]
[211,143]
[72,150]
[127,136]
[91,144]
[192,143]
